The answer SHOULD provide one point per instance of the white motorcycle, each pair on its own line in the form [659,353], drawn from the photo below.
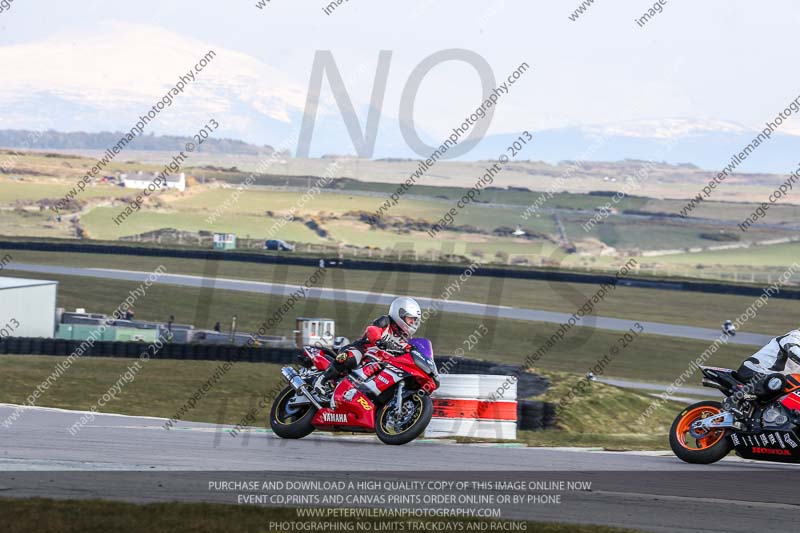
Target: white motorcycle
[728,328]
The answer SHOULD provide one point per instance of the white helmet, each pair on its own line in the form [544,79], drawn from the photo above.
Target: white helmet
[339,343]
[405,313]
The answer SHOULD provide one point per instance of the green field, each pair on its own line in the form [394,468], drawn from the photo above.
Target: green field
[40,176]
[38,515]
[636,234]
[99,223]
[731,211]
[34,224]
[160,389]
[673,307]
[13,191]
[247,217]
[627,234]
[775,255]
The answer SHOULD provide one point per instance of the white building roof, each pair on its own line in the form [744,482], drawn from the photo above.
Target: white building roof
[18,283]
[150,176]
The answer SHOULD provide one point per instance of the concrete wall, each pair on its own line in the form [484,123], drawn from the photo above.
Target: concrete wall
[33,308]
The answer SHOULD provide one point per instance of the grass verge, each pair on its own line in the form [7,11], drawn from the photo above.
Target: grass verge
[160,389]
[651,358]
[98,516]
[672,307]
[604,416]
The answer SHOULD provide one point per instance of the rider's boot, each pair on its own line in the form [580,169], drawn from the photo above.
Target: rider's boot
[323,384]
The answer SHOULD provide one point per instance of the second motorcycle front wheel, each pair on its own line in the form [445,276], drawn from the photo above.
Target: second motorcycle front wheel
[393,428]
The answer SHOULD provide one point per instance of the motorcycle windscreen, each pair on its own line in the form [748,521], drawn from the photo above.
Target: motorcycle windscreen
[424,346]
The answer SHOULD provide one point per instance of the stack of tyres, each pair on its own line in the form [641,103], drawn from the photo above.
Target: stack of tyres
[549,420]
[536,415]
[530,414]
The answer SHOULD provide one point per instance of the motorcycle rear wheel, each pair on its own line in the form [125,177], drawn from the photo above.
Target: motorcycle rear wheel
[418,420]
[289,424]
[706,450]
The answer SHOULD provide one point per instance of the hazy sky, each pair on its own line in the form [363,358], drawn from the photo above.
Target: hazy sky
[728,60]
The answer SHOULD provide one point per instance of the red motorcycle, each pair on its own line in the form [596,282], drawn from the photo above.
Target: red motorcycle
[386,394]
[759,424]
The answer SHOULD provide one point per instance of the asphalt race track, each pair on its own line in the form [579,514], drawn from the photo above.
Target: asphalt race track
[358,297]
[136,459]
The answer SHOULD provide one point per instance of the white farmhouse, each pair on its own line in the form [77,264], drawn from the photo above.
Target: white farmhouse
[141,180]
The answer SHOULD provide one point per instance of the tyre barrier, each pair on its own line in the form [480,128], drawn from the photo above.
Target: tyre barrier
[527,384]
[536,415]
[196,352]
[467,405]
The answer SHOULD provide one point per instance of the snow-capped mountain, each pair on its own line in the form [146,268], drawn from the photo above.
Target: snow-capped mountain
[105,81]
[707,144]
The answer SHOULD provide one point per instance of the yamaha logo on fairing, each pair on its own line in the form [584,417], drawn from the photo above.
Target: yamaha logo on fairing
[770,451]
[334,417]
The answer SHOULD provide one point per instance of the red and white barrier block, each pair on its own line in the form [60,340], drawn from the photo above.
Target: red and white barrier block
[469,405]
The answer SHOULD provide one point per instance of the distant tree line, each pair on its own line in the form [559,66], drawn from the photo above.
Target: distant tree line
[80,140]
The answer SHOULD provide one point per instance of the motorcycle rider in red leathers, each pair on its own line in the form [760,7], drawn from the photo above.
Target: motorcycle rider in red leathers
[390,333]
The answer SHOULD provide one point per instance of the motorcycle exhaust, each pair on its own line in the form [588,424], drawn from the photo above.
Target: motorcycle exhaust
[297,383]
[714,385]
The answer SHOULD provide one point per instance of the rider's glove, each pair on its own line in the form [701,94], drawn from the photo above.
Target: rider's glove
[387,345]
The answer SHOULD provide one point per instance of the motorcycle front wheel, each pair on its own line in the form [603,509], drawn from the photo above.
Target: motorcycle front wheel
[710,447]
[414,418]
[290,422]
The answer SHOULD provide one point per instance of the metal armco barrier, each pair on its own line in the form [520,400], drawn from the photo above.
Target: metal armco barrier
[465,405]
